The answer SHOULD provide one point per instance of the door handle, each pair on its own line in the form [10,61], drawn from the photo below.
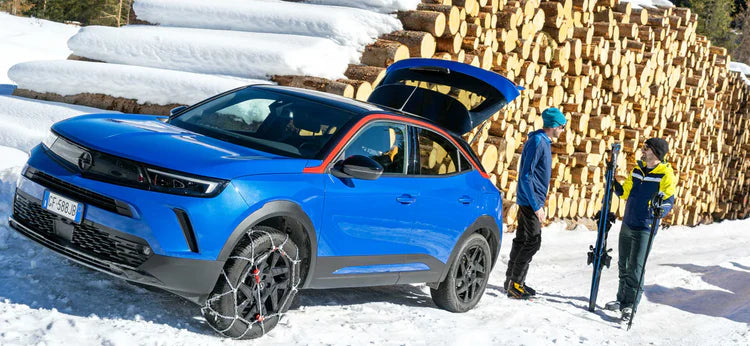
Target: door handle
[465,199]
[406,199]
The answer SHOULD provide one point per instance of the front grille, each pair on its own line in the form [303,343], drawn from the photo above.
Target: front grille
[107,246]
[78,193]
[32,215]
[89,238]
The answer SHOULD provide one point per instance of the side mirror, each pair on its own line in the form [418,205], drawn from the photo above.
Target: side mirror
[176,110]
[359,167]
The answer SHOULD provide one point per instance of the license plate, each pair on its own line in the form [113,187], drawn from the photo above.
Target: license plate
[63,206]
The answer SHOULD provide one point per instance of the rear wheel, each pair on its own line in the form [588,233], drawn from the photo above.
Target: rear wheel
[257,285]
[467,277]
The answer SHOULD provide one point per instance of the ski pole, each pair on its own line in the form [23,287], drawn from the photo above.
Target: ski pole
[655,202]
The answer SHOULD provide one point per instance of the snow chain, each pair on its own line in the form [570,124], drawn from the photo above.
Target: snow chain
[261,317]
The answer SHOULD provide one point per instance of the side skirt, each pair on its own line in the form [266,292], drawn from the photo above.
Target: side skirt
[362,271]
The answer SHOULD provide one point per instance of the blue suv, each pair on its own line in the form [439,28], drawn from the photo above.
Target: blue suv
[237,202]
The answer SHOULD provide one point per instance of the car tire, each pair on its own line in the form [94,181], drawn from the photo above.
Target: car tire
[467,277]
[265,265]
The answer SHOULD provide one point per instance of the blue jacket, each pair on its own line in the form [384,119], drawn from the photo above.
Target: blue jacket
[638,190]
[536,170]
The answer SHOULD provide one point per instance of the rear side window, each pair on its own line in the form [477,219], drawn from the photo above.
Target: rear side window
[437,155]
[464,164]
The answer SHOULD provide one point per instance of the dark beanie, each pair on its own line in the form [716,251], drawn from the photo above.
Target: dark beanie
[659,146]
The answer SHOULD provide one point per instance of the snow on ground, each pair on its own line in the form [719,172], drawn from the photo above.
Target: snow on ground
[25,39]
[235,53]
[649,3]
[144,84]
[743,69]
[697,292]
[383,6]
[347,26]
[697,289]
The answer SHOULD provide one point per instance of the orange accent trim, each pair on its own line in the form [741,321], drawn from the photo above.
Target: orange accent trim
[322,167]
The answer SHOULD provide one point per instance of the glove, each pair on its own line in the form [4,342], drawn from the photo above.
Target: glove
[617,188]
[611,218]
[655,203]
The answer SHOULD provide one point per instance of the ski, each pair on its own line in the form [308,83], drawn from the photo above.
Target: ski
[599,254]
[656,204]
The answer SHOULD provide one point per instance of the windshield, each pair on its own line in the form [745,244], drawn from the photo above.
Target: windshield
[268,121]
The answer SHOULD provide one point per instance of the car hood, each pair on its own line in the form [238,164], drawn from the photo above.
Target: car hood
[144,138]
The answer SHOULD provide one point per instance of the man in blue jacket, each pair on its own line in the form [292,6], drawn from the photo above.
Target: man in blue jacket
[651,176]
[533,184]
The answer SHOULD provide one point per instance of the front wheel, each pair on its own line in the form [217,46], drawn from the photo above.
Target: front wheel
[257,285]
[467,277]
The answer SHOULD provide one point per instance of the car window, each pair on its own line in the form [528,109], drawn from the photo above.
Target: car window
[437,155]
[249,114]
[266,120]
[464,164]
[383,142]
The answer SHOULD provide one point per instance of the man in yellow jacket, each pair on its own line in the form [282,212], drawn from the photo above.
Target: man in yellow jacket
[652,175]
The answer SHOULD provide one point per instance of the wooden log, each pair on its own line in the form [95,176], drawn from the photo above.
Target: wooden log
[429,21]
[315,83]
[371,74]
[451,44]
[420,44]
[362,89]
[382,53]
[452,17]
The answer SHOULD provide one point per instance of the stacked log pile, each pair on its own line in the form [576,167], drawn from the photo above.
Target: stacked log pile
[620,74]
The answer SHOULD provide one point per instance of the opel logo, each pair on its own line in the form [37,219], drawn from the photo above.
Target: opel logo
[85,161]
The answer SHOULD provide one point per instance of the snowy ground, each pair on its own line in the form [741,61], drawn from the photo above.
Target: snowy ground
[697,292]
[697,282]
[697,289]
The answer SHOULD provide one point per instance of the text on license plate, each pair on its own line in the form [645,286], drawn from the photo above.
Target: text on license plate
[63,206]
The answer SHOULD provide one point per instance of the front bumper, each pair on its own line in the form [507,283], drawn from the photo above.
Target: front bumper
[116,253]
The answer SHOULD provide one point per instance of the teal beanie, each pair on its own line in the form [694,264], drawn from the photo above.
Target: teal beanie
[553,117]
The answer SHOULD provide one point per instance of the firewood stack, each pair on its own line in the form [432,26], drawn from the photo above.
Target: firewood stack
[620,74]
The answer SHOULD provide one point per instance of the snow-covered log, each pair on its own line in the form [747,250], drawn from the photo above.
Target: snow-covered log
[235,53]
[347,26]
[143,84]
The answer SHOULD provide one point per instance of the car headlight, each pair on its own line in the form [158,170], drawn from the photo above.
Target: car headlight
[121,171]
[49,140]
[182,184]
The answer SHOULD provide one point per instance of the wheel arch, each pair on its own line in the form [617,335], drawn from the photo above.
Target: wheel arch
[288,217]
[488,228]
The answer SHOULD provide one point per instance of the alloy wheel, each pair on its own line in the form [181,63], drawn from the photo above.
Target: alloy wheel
[471,274]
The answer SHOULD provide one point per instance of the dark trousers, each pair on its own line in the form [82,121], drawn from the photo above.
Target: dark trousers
[526,243]
[633,252]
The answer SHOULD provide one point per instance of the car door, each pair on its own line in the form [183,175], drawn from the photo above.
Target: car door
[450,197]
[367,224]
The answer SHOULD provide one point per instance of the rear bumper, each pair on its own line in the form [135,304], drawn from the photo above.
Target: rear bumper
[113,252]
